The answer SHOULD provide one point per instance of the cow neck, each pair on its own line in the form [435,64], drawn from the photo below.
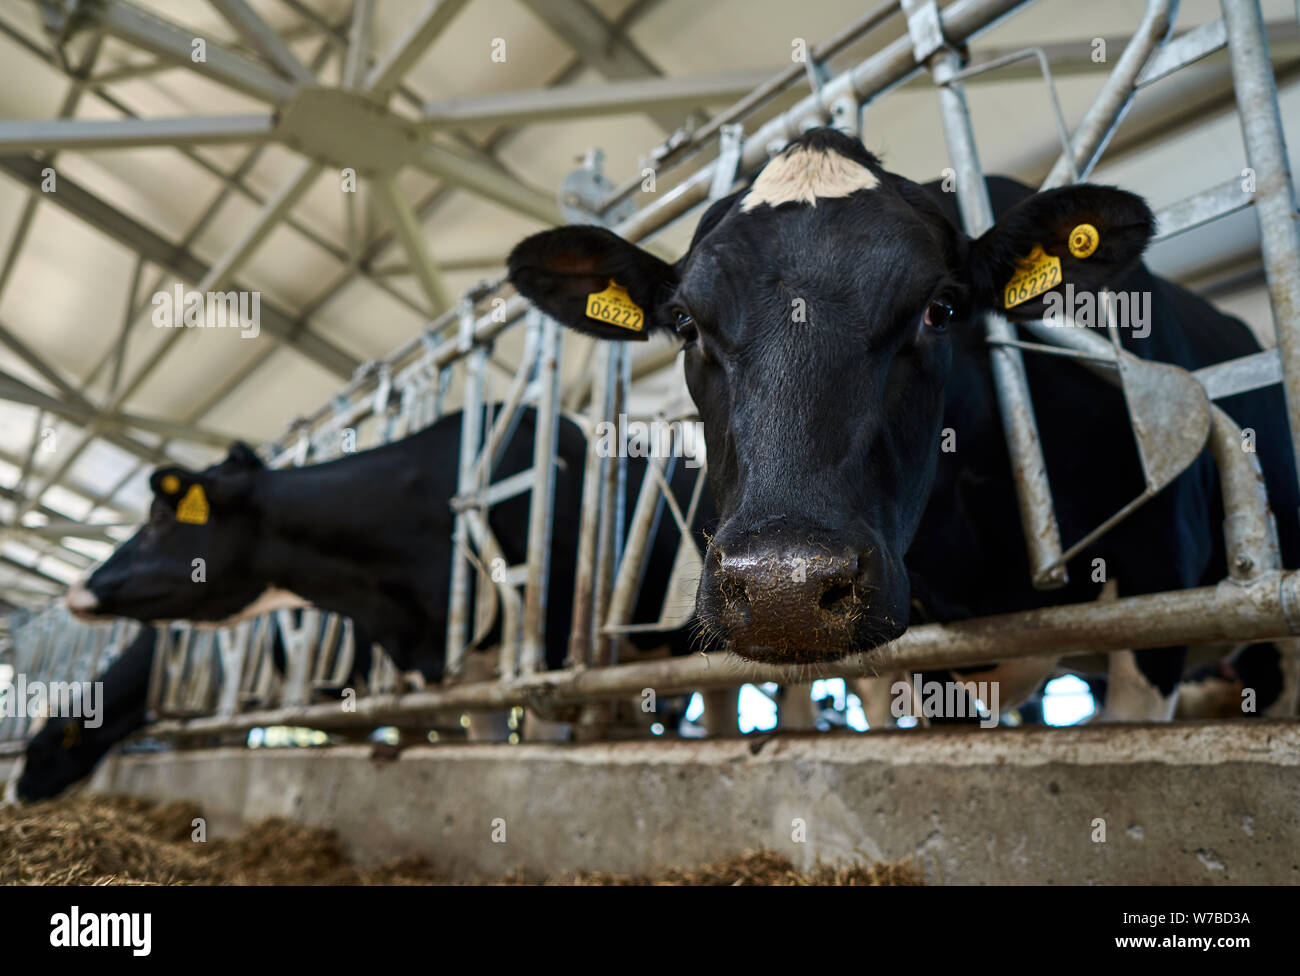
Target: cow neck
[334,532]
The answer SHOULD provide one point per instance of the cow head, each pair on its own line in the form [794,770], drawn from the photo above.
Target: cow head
[821,309]
[54,759]
[211,515]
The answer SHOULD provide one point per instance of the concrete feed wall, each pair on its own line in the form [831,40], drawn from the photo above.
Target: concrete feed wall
[1194,803]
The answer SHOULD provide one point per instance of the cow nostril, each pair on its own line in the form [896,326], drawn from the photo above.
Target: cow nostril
[837,597]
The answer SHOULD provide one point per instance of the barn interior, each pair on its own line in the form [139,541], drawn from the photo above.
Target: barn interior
[364,168]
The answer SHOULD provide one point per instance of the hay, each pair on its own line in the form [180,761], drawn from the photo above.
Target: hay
[89,840]
[764,868]
[121,840]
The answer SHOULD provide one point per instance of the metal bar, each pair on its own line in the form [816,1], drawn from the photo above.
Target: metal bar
[113,434]
[611,53]
[412,238]
[1241,375]
[132,72]
[76,200]
[1219,201]
[786,78]
[1033,492]
[393,66]
[468,262]
[263,38]
[507,413]
[1275,203]
[610,548]
[588,101]
[542,500]
[471,434]
[124,333]
[589,525]
[511,604]
[359,39]
[1263,609]
[129,23]
[468,173]
[1186,49]
[631,565]
[22,136]
[1112,102]
[16,391]
[890,66]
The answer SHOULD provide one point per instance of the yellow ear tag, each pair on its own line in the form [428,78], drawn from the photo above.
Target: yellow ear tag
[1034,275]
[193,507]
[171,484]
[615,307]
[1084,240]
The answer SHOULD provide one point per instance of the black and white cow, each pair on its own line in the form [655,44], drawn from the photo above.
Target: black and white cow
[65,749]
[367,536]
[830,317]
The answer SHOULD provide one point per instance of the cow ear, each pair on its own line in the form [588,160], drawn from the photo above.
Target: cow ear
[1083,236]
[592,280]
[170,484]
[243,457]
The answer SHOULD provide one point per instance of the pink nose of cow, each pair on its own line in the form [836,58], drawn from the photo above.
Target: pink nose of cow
[789,604]
[81,601]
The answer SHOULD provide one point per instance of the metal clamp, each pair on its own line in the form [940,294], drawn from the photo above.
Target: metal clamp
[731,144]
[925,28]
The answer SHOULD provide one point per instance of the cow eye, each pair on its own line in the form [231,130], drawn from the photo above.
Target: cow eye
[685,327]
[938,314]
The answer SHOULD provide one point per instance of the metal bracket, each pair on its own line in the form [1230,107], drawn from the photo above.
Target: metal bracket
[584,190]
[846,115]
[302,447]
[465,318]
[1169,415]
[925,28]
[731,143]
[384,398]
[817,74]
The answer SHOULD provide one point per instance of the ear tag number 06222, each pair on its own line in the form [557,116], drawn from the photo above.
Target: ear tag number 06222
[615,307]
[1034,275]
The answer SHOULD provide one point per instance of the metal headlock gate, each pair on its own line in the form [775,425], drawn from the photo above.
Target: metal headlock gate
[207,683]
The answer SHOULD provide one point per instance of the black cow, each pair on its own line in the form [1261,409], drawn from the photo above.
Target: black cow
[830,315]
[64,750]
[366,535]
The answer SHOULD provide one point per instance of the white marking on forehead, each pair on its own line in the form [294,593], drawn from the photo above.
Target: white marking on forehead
[802,175]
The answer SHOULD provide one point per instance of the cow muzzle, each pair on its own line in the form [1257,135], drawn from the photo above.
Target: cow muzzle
[81,601]
[797,604]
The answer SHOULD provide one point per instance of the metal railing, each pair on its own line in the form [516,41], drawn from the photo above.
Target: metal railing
[409,390]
